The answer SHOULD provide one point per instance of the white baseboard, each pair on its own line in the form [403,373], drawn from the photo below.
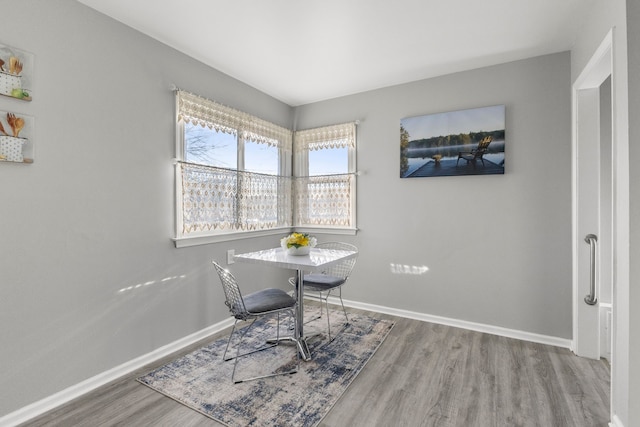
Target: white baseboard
[616,422]
[479,327]
[33,410]
[606,310]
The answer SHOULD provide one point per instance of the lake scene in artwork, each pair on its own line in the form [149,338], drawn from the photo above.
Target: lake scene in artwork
[465,142]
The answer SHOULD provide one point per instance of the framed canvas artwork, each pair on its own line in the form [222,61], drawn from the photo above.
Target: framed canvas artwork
[465,142]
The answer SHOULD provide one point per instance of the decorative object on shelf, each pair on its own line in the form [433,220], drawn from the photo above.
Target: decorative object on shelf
[465,142]
[15,123]
[16,69]
[13,147]
[298,243]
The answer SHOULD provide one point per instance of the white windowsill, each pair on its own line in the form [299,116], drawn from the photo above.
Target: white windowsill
[324,230]
[185,242]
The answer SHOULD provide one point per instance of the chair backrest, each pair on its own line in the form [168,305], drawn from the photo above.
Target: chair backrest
[344,268]
[484,143]
[232,294]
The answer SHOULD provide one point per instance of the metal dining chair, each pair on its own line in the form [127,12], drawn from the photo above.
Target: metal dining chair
[262,303]
[333,278]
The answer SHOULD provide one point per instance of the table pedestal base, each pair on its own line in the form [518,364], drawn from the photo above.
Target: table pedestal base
[301,343]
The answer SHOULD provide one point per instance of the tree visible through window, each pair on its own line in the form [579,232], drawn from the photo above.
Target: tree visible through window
[215,148]
[233,173]
[210,147]
[233,170]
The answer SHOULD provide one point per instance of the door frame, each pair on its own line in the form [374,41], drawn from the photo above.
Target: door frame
[609,61]
[597,70]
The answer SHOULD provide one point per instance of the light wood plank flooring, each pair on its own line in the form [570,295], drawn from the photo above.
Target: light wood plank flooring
[422,375]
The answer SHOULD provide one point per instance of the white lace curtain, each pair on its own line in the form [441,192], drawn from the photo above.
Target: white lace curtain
[335,136]
[223,200]
[207,113]
[324,200]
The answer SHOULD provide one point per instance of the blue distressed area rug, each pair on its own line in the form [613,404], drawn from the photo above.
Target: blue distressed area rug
[202,381]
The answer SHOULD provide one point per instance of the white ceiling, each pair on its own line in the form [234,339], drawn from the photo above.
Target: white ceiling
[302,51]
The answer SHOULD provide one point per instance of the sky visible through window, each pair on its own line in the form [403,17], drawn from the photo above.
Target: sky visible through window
[328,161]
[220,149]
[260,158]
[209,147]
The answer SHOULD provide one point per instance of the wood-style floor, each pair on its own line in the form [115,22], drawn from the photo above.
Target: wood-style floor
[422,375]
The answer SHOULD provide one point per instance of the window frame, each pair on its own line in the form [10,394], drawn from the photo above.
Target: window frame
[205,237]
[325,135]
[204,112]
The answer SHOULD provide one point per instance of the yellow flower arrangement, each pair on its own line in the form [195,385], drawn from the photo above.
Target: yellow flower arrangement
[297,240]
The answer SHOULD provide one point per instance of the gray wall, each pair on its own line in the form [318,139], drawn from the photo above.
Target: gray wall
[633,40]
[94,213]
[497,247]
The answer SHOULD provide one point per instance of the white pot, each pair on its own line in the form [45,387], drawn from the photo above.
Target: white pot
[11,148]
[302,250]
[8,82]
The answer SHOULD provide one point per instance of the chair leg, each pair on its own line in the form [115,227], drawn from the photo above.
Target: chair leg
[344,310]
[243,333]
[342,303]
[235,363]
[319,315]
[224,356]
[321,298]
[326,307]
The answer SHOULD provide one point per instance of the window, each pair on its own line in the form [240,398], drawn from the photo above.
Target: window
[233,171]
[325,178]
[233,174]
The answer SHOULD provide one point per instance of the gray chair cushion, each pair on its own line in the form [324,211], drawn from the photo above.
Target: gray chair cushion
[323,281]
[267,300]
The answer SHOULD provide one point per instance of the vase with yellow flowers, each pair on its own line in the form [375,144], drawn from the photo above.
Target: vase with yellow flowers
[298,243]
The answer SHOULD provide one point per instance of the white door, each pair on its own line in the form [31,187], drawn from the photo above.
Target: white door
[592,207]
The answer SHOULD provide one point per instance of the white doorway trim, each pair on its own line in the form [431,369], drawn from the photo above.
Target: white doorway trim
[616,43]
[597,70]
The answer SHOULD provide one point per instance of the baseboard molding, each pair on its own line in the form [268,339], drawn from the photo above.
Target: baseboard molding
[35,409]
[31,411]
[606,312]
[478,327]
[616,422]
